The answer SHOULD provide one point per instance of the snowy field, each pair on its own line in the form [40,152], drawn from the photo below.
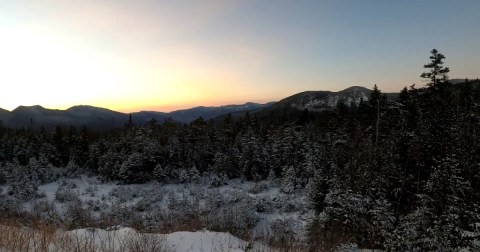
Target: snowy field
[258,212]
[127,239]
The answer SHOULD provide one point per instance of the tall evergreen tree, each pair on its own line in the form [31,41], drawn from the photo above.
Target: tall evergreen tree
[437,72]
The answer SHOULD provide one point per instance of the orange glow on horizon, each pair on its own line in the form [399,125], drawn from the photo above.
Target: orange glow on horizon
[43,67]
[169,55]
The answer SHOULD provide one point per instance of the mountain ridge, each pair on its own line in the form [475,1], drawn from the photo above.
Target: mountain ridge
[98,118]
[317,101]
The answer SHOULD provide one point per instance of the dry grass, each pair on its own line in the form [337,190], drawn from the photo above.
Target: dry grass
[44,238]
[14,238]
[27,233]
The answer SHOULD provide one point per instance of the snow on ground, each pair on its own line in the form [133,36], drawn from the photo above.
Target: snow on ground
[200,241]
[3,189]
[128,239]
[87,188]
[205,241]
[271,214]
[49,190]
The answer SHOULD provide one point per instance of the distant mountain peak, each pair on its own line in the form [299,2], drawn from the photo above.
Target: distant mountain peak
[323,100]
[83,107]
[88,108]
[33,107]
[356,87]
[330,100]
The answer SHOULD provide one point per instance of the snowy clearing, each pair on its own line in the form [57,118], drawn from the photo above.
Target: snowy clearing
[257,211]
[123,239]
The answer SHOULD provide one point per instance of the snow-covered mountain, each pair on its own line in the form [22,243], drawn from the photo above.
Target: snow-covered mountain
[324,100]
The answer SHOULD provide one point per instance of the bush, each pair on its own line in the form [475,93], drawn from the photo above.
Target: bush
[77,216]
[23,190]
[124,193]
[259,187]
[236,218]
[65,194]
[282,232]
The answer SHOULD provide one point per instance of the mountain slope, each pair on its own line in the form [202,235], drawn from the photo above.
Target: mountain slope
[35,116]
[351,95]
[4,112]
[207,113]
[100,119]
[316,101]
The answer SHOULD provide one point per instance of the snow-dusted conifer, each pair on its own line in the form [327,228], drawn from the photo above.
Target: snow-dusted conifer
[289,180]
[159,173]
[194,175]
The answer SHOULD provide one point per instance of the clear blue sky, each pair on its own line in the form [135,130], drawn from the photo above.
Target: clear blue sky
[164,55]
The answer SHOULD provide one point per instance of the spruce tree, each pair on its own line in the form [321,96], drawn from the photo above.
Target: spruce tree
[437,73]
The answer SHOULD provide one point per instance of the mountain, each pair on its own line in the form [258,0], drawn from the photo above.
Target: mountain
[100,119]
[35,115]
[4,112]
[104,119]
[321,100]
[188,115]
[38,116]
[316,101]
[93,117]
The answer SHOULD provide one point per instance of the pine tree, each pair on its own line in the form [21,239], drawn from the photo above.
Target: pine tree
[159,173]
[404,96]
[442,216]
[289,181]
[437,73]
[377,98]
[131,171]
[194,175]
[447,191]
[24,184]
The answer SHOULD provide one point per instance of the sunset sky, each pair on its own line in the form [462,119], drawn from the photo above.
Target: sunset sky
[167,55]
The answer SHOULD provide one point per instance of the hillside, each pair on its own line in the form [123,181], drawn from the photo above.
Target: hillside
[101,119]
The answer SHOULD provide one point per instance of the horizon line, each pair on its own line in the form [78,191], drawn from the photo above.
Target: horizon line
[187,107]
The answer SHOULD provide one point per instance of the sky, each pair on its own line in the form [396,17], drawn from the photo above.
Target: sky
[167,55]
